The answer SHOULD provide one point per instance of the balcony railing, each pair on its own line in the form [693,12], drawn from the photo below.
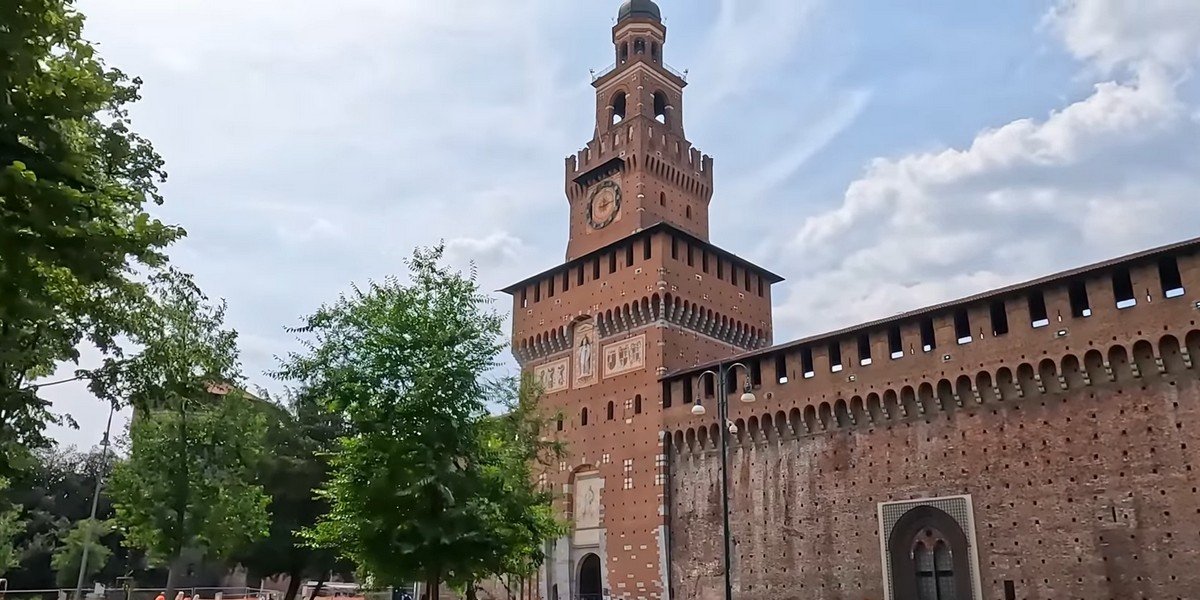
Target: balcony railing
[597,74]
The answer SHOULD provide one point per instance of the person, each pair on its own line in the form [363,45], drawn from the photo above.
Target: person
[161,596]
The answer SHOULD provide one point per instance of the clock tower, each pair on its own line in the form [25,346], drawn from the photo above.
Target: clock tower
[642,293]
[638,169]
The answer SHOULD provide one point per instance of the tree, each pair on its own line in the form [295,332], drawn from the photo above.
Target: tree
[405,366]
[518,513]
[86,533]
[195,438]
[10,527]
[74,184]
[300,435]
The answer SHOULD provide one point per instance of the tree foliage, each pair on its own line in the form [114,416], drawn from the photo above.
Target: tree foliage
[195,439]
[75,181]
[10,527]
[413,487]
[88,533]
[300,436]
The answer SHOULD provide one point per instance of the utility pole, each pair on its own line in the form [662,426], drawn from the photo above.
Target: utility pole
[95,504]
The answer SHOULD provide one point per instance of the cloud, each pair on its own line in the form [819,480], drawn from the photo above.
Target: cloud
[1112,172]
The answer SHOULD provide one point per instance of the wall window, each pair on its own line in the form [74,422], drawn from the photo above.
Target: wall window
[687,389]
[895,343]
[674,249]
[1168,275]
[691,261]
[962,326]
[1037,309]
[612,262]
[928,339]
[806,362]
[999,316]
[864,349]
[579,276]
[835,356]
[756,373]
[666,401]
[596,269]
[1123,289]
[720,268]
[781,375]
[583,416]
[637,404]
[611,411]
[646,248]
[537,292]
[1077,294]
[629,255]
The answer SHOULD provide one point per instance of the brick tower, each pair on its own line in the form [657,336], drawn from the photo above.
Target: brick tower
[642,293]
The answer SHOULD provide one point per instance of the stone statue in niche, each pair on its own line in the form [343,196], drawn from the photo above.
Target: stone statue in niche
[586,354]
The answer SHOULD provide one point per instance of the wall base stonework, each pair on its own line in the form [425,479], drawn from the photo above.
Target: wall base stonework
[1087,493]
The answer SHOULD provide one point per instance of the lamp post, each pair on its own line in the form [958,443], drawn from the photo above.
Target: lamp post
[720,377]
[83,560]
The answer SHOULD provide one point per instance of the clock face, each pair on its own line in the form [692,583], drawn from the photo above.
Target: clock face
[604,204]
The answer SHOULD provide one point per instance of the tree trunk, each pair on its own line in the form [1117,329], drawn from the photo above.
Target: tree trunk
[320,584]
[435,585]
[293,585]
[172,577]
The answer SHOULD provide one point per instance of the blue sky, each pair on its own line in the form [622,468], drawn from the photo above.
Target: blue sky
[881,155]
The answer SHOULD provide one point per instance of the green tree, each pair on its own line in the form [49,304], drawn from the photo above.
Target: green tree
[518,514]
[86,533]
[195,438]
[405,366]
[10,527]
[300,435]
[75,181]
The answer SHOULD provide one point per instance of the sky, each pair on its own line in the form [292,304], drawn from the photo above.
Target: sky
[881,155]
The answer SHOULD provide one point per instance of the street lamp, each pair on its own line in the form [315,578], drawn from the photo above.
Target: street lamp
[720,377]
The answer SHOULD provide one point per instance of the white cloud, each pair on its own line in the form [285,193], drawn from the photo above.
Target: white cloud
[1110,173]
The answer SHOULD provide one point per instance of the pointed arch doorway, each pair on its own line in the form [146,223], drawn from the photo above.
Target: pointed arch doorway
[590,586]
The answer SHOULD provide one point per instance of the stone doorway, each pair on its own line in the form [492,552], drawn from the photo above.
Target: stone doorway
[590,586]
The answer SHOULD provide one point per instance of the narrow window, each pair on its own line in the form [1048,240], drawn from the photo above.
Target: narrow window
[704,260]
[760,286]
[1168,274]
[835,356]
[666,401]
[708,386]
[560,423]
[895,344]
[637,404]
[674,248]
[746,280]
[1010,590]
[720,268]
[756,373]
[781,368]
[928,340]
[691,259]
[579,276]
[524,298]
[662,198]
[999,318]
[731,382]
[583,416]
[962,326]
[629,255]
[687,389]
[566,280]
[646,249]
[1077,294]
[864,349]
[687,212]
[1123,288]
[806,362]
[612,262]
[537,292]
[1037,309]
[611,411]
[733,274]
[550,287]
[596,269]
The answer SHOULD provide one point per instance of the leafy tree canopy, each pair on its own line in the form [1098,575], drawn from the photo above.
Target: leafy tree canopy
[405,366]
[75,181]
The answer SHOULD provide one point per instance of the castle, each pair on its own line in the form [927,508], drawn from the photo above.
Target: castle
[1031,442]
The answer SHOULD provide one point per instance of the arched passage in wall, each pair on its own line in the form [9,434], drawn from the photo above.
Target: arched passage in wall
[928,552]
[590,586]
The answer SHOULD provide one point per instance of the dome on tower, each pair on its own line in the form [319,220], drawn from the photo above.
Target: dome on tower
[639,9]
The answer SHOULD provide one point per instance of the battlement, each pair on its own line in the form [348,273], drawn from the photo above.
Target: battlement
[648,137]
[994,344]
